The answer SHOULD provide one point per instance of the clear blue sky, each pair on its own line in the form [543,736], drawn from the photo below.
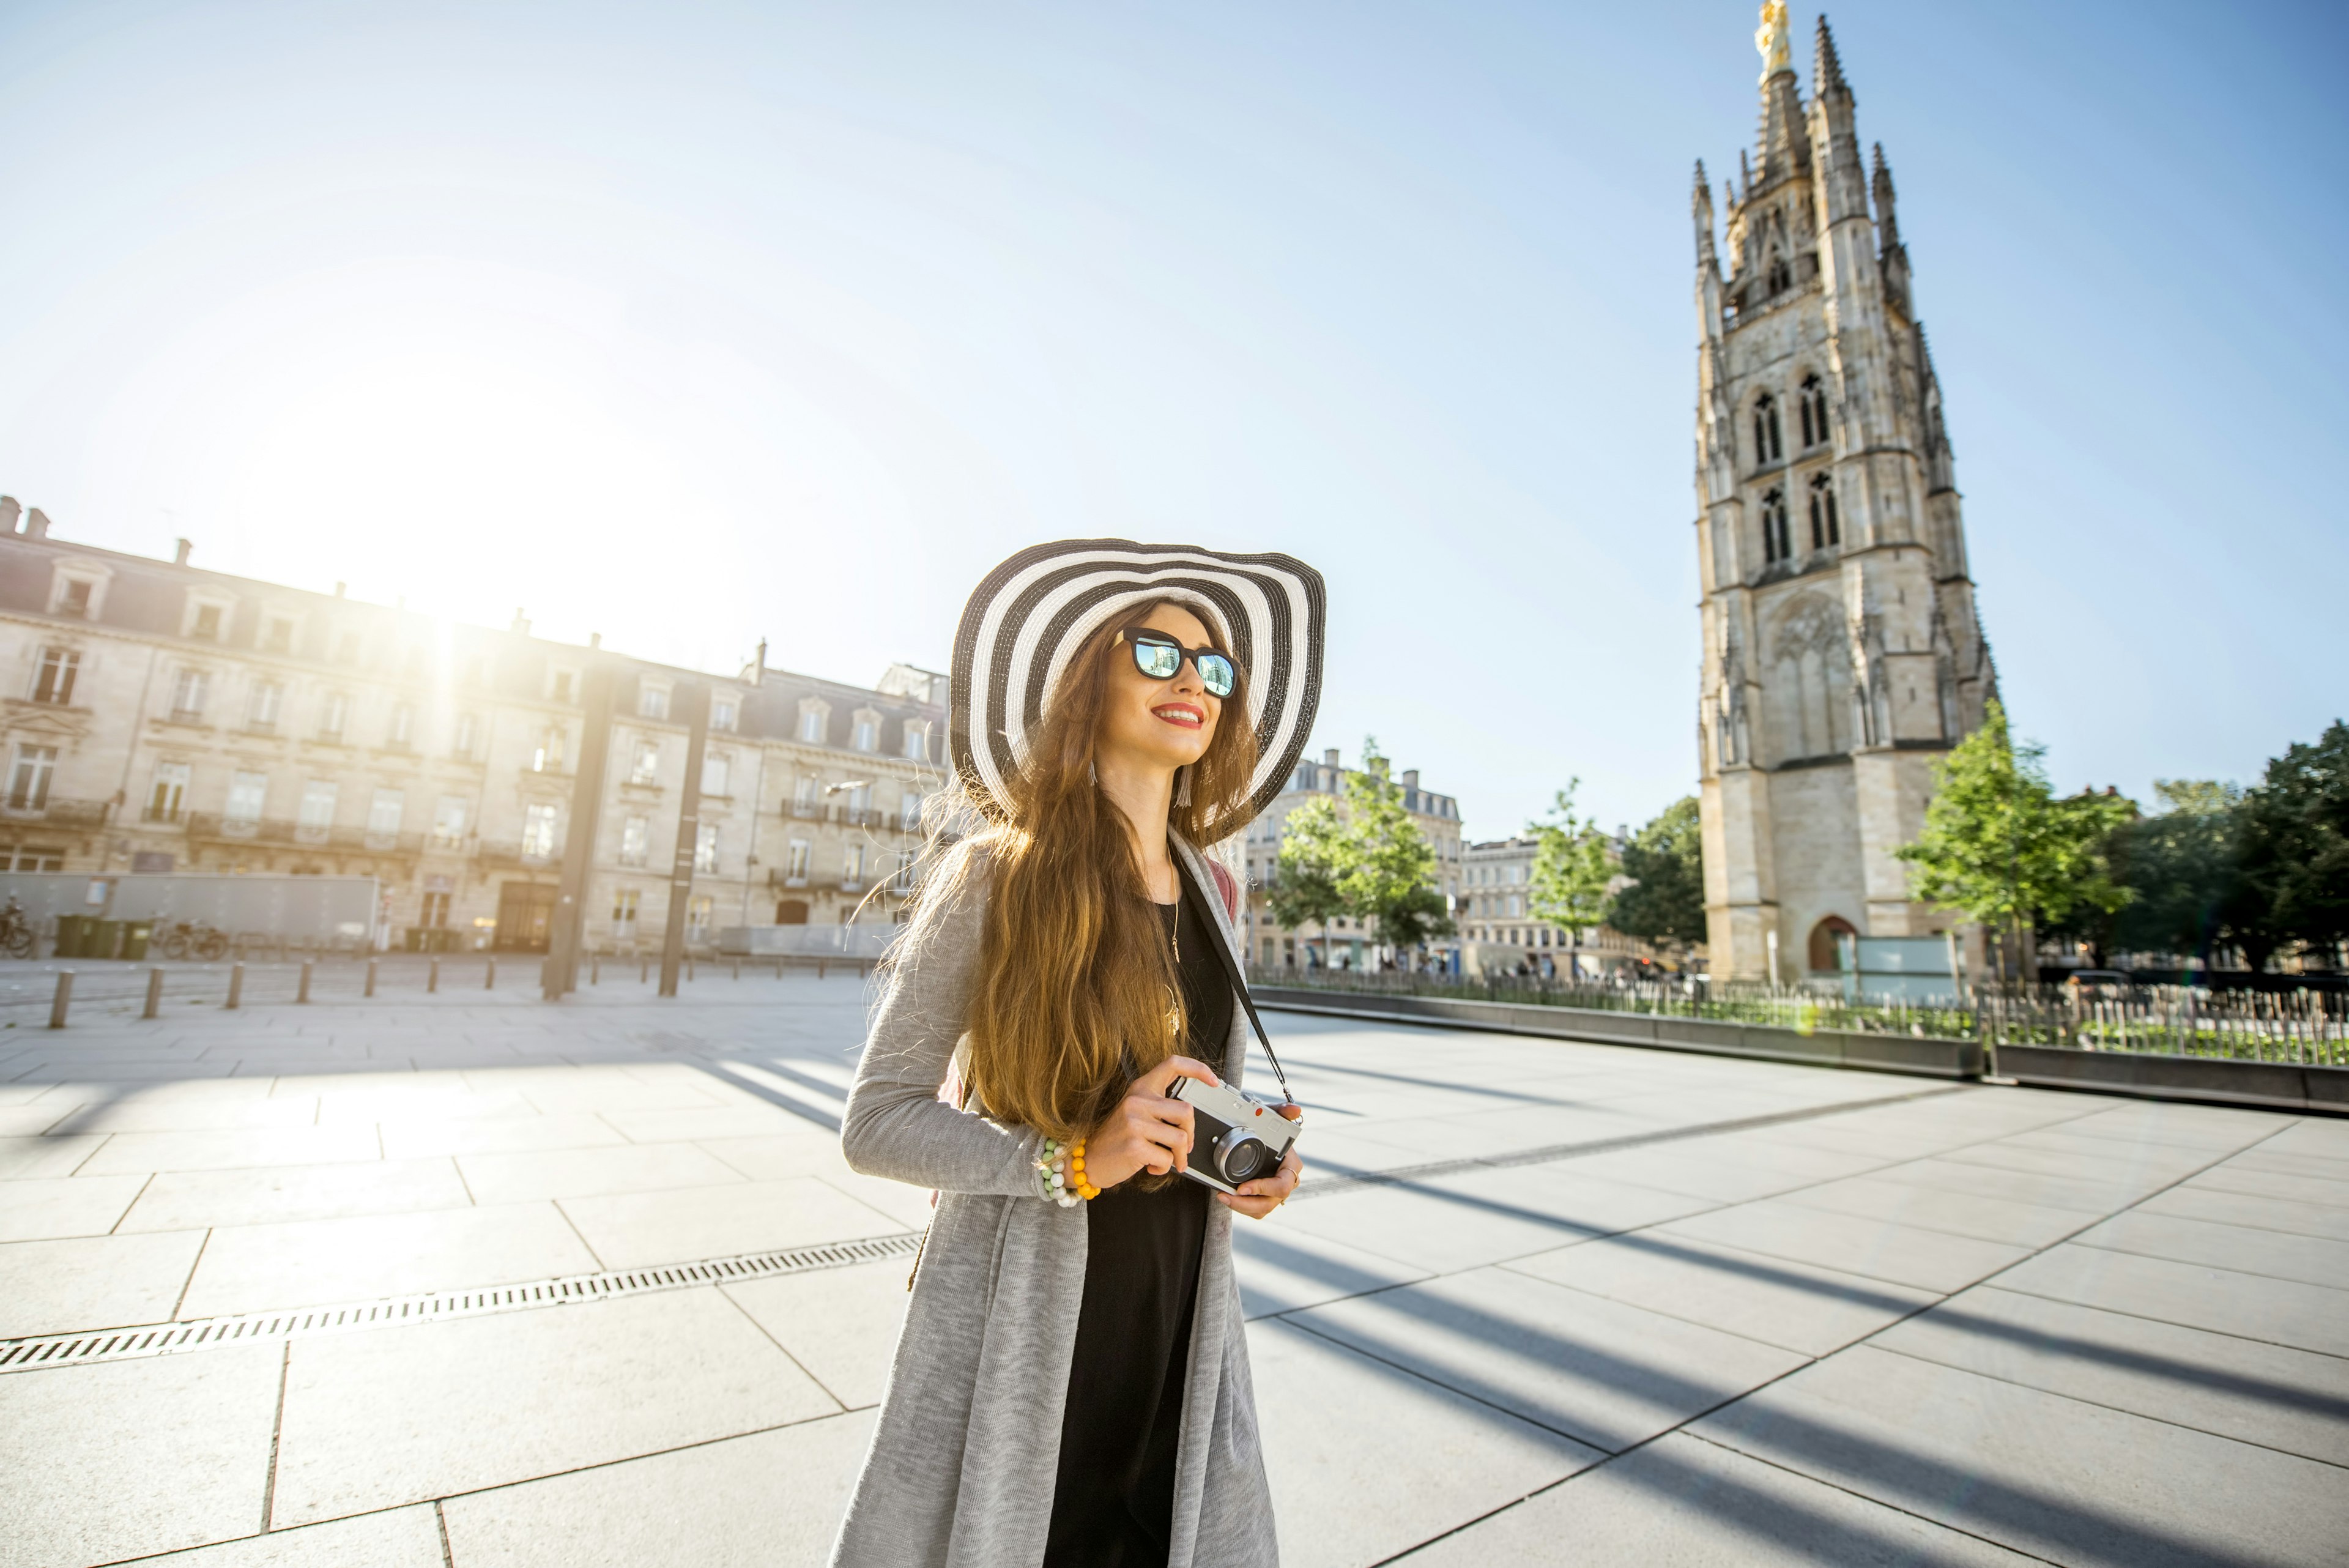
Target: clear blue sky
[695,324]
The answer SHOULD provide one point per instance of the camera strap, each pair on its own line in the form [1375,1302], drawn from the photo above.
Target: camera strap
[1232,972]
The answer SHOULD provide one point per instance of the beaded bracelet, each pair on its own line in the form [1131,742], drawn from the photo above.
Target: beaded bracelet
[1054,1185]
[1085,1189]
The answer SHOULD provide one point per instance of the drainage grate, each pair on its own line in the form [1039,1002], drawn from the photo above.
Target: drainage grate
[208,1334]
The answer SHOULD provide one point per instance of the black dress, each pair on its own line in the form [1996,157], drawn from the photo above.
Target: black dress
[1114,1499]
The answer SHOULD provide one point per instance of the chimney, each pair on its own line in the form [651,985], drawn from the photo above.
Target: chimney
[179,554]
[594,639]
[9,512]
[1328,758]
[37,524]
[339,588]
[520,627]
[1411,778]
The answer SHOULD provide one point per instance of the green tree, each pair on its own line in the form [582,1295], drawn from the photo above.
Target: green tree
[2295,858]
[1571,868]
[1665,900]
[1304,890]
[2000,846]
[1361,855]
[2179,866]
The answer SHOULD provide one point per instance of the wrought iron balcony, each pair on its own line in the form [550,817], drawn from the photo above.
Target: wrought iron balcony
[511,852]
[57,812]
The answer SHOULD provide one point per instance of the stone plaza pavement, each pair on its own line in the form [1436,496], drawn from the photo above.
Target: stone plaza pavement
[1540,1302]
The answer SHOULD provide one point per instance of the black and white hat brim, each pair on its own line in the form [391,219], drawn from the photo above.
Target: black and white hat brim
[1032,614]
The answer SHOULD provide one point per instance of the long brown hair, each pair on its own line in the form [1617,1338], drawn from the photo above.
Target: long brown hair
[1076,994]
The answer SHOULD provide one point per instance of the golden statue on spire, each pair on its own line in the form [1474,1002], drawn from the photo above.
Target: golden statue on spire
[1770,39]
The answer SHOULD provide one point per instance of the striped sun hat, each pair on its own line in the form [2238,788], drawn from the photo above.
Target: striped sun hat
[1032,613]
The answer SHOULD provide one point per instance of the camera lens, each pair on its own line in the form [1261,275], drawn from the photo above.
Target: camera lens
[1244,1159]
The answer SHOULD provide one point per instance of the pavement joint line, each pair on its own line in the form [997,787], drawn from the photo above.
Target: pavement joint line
[84,1347]
[1406,1174]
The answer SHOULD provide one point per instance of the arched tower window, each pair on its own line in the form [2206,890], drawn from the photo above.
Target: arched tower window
[1825,529]
[1777,540]
[1767,445]
[1814,400]
[1827,939]
[1781,275]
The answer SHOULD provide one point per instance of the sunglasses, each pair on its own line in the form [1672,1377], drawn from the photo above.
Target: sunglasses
[1161,657]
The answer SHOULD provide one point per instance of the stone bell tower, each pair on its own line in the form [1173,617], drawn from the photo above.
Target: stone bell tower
[1841,654]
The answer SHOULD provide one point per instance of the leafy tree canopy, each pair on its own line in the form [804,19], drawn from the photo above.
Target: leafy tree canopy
[1665,900]
[1304,891]
[1571,868]
[2296,842]
[1361,855]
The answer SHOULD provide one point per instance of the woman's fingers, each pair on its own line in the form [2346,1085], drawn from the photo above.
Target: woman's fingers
[1260,1198]
[1161,1078]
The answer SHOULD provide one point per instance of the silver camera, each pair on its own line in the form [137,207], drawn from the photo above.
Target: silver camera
[1234,1139]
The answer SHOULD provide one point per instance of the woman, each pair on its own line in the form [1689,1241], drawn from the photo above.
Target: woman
[1070,1388]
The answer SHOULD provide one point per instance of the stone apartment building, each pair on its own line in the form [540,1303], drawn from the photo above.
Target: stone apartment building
[1499,930]
[163,718]
[1273,945]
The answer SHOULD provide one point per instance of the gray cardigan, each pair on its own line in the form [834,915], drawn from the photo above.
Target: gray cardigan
[965,1452]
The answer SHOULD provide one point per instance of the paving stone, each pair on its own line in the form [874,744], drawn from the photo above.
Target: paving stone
[2140,1161]
[1565,1193]
[590,1172]
[2255,1306]
[25,1158]
[633,1229]
[2308,1258]
[45,1209]
[1604,1372]
[2327,1137]
[841,1325]
[2265,1394]
[93,1281]
[1686,1168]
[2220,1207]
[696,1124]
[396,1538]
[1283,1268]
[1797,1307]
[128,1458]
[908,1205]
[2187,1127]
[1937,1209]
[776,1156]
[1367,1460]
[1930,1260]
[2057,1477]
[309,1262]
[196,1200]
[400,1414]
[2230,1178]
[2111,1171]
[498,1135]
[154,1114]
[242,1148]
[34,1118]
[2324,1168]
[771,1499]
[1430,1227]
[2095,1196]
[1683,1503]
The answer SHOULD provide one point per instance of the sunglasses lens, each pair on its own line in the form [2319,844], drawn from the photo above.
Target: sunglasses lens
[1215,674]
[1159,660]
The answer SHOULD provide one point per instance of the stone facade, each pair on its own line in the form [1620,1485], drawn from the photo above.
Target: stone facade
[1500,932]
[1275,945]
[159,717]
[1842,658]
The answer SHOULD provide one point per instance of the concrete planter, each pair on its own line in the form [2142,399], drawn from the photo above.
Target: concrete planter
[2276,1086]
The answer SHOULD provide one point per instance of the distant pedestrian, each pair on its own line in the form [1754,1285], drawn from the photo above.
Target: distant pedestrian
[1070,1388]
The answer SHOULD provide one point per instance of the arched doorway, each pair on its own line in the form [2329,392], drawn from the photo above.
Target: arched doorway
[1826,943]
[792,912]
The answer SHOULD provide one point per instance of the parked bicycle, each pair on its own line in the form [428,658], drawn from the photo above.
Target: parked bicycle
[193,939]
[16,930]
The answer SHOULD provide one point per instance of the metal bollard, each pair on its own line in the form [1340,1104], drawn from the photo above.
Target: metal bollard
[154,994]
[304,993]
[370,979]
[432,976]
[596,969]
[490,981]
[235,986]
[63,998]
[819,969]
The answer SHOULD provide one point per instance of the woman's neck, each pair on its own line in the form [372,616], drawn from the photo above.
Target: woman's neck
[1144,793]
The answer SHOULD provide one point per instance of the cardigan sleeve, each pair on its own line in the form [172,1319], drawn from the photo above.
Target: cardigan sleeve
[897,1125]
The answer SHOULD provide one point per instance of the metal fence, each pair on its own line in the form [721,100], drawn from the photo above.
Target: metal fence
[2305,1026]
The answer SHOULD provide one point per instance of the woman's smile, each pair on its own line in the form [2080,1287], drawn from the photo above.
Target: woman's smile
[1182,714]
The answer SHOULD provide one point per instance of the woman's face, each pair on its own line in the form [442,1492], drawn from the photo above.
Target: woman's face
[1159,723]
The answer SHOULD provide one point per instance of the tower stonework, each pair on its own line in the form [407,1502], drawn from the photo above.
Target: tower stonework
[1842,658]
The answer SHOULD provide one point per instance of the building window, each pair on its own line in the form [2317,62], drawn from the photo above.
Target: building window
[385,811]
[636,835]
[317,813]
[853,874]
[903,882]
[717,770]
[812,726]
[1814,401]
[547,757]
[1777,539]
[53,681]
[918,742]
[645,770]
[207,623]
[74,596]
[168,798]
[330,722]
[248,794]
[909,811]
[562,689]
[278,635]
[538,840]
[1780,276]
[403,726]
[189,694]
[1825,527]
[624,913]
[448,821]
[28,781]
[268,697]
[469,735]
[795,861]
[652,702]
[705,847]
[1767,446]
[698,914]
[436,911]
[868,733]
[722,712]
[804,796]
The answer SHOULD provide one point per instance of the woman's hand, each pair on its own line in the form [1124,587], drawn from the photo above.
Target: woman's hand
[1147,1131]
[1260,1198]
